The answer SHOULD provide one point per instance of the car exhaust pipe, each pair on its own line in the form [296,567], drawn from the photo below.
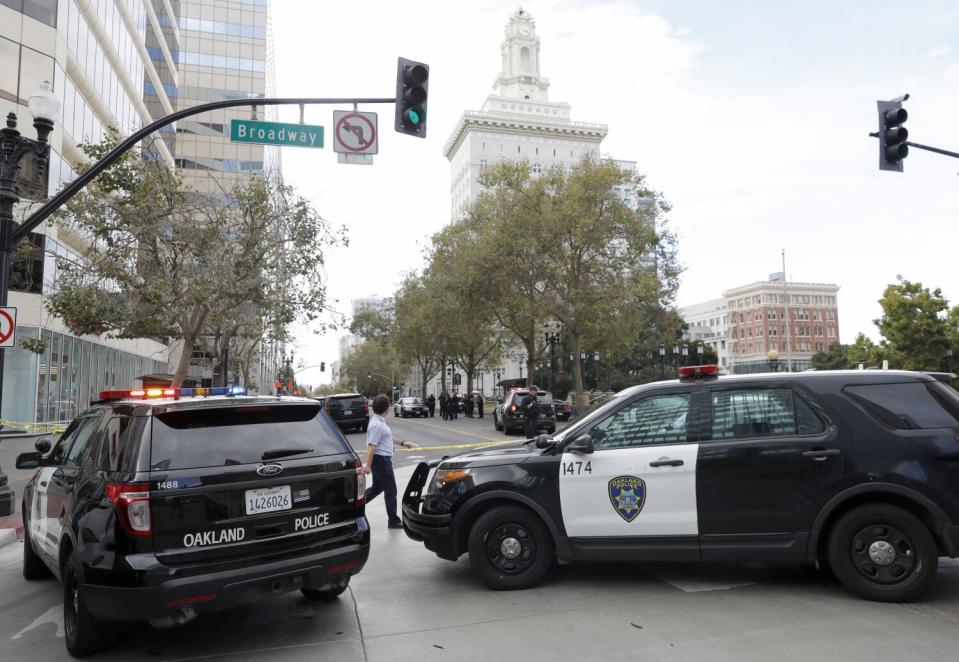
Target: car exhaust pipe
[181,616]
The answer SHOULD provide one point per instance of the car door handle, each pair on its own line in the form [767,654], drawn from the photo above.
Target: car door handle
[821,454]
[666,462]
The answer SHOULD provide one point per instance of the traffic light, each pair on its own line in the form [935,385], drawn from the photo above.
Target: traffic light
[322,366]
[892,134]
[412,84]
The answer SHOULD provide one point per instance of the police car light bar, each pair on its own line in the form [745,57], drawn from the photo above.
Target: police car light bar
[140,393]
[214,390]
[694,372]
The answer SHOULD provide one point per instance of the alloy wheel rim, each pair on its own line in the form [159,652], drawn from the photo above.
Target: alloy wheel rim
[883,554]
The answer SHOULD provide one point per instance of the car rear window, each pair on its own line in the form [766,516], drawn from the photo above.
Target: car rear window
[909,406]
[194,438]
[346,403]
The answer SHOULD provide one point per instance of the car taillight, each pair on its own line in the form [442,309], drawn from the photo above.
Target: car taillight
[360,484]
[512,407]
[366,410]
[132,501]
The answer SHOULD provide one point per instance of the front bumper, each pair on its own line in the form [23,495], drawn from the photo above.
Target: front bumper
[226,589]
[434,531]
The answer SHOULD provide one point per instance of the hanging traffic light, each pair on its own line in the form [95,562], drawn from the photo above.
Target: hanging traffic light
[412,85]
[322,366]
[892,134]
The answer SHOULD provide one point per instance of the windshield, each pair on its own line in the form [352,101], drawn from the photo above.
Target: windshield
[592,414]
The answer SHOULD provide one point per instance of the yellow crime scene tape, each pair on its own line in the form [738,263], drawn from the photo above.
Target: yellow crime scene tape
[32,428]
[449,446]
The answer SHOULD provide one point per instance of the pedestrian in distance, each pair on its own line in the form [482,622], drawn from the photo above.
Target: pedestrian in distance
[468,406]
[479,405]
[379,460]
[431,405]
[443,406]
[530,409]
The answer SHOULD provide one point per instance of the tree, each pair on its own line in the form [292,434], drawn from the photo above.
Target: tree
[864,351]
[611,265]
[418,327]
[914,324]
[164,261]
[836,357]
[373,368]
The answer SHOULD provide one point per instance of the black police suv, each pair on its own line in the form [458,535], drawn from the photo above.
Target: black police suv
[157,506]
[857,470]
[350,411]
[508,417]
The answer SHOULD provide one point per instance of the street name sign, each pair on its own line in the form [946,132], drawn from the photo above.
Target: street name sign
[8,327]
[276,133]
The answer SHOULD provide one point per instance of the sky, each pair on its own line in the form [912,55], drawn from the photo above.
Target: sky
[751,117]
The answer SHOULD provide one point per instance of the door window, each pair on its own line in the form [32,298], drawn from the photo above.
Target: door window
[86,432]
[766,412]
[659,419]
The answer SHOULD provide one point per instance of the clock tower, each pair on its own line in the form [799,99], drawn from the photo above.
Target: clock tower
[519,77]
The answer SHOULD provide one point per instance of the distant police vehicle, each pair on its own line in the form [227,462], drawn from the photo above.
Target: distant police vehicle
[857,469]
[158,504]
[509,417]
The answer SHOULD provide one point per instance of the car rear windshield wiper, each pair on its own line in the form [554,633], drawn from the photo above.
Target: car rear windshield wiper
[284,452]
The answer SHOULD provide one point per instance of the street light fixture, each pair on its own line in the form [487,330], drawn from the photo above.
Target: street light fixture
[949,359]
[685,354]
[699,351]
[772,357]
[551,331]
[662,361]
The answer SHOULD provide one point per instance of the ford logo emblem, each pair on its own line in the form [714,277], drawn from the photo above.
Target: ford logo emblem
[269,469]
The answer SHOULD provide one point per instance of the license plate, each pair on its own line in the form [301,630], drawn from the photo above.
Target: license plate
[347,412]
[268,499]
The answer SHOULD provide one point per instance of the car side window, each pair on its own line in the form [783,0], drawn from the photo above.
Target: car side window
[658,419]
[85,433]
[807,419]
[59,449]
[757,412]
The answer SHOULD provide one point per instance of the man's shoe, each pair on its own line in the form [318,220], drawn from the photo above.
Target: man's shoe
[395,525]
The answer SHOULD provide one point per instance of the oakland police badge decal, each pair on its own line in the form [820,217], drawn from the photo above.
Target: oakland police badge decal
[628,496]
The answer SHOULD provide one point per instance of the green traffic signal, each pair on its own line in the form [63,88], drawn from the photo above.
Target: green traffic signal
[414,115]
[412,89]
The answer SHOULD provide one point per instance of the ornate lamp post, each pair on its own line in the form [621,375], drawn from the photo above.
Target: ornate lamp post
[685,354]
[662,361]
[699,351]
[949,359]
[45,108]
[551,331]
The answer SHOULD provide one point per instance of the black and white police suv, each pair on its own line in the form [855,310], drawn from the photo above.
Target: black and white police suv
[158,504]
[857,470]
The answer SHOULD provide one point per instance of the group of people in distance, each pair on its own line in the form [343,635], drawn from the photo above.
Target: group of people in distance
[451,405]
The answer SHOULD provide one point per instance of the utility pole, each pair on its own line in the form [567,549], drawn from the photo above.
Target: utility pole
[786,315]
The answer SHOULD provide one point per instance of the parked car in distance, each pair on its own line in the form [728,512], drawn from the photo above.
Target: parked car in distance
[406,407]
[349,411]
[563,410]
[508,417]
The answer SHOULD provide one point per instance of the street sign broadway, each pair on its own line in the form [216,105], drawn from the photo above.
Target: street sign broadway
[8,327]
[354,132]
[276,133]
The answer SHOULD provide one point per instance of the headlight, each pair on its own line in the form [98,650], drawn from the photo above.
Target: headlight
[444,477]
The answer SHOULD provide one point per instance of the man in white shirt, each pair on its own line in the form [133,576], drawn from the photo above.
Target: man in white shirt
[379,459]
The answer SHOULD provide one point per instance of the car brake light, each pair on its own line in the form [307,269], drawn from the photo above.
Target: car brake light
[366,410]
[132,502]
[694,372]
[512,407]
[360,484]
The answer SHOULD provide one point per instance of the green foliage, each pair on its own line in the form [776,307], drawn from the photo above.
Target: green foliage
[166,261]
[836,357]
[915,324]
[372,356]
[868,353]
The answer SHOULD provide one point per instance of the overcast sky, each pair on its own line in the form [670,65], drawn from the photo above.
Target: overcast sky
[750,117]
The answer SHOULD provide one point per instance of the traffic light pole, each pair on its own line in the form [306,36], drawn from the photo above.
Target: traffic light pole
[928,148]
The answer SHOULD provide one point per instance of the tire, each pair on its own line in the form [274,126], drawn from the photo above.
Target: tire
[512,526]
[33,565]
[83,633]
[326,594]
[883,553]
[496,424]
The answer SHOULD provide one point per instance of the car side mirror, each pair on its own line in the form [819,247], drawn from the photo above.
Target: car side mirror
[43,445]
[544,441]
[30,460]
[582,444]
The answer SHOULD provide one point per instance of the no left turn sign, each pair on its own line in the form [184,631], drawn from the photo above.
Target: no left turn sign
[8,327]
[355,132]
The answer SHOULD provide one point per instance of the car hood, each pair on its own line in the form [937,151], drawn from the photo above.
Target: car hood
[506,453]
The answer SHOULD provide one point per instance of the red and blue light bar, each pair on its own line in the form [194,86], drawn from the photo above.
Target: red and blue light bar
[175,393]
[691,373]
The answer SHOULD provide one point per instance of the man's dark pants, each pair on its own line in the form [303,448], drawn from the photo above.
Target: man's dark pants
[384,481]
[530,427]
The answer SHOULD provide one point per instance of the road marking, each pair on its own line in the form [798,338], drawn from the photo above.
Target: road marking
[52,615]
[446,429]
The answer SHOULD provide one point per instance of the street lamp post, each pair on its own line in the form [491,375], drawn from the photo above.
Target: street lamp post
[949,359]
[45,107]
[596,369]
[662,361]
[772,357]
[685,354]
[551,333]
[699,351]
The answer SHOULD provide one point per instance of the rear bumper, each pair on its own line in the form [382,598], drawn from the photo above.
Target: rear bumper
[351,422]
[226,589]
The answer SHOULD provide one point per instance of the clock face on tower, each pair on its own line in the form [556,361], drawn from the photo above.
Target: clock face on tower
[524,32]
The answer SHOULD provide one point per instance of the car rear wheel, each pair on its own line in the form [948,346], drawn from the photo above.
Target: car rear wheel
[510,548]
[83,633]
[884,553]
[330,592]
[33,565]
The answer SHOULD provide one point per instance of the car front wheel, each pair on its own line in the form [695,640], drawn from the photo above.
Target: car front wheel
[884,553]
[510,548]
[33,565]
